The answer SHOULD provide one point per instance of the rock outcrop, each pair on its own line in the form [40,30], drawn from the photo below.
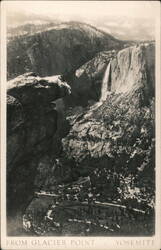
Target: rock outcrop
[59,49]
[31,126]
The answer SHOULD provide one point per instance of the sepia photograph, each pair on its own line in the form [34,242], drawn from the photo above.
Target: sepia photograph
[80,147]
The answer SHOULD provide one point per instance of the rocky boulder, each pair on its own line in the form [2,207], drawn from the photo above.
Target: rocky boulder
[32,89]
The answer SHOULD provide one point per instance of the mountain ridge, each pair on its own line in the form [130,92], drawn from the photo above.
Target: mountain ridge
[52,25]
[57,51]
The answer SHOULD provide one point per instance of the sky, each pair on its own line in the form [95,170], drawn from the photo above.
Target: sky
[115,17]
[90,9]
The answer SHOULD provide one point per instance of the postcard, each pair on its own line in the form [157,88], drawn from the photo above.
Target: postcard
[80,125]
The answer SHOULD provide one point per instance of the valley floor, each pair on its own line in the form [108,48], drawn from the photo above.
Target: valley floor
[66,214]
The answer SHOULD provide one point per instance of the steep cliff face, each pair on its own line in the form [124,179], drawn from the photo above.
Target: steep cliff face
[31,125]
[57,50]
[132,67]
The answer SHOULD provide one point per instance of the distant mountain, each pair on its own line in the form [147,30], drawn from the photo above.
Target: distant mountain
[55,48]
[123,28]
[28,28]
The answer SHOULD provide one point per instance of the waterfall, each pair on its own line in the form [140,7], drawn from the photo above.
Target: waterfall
[105,81]
[105,88]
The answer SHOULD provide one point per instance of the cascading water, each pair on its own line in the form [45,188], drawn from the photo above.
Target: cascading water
[104,88]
